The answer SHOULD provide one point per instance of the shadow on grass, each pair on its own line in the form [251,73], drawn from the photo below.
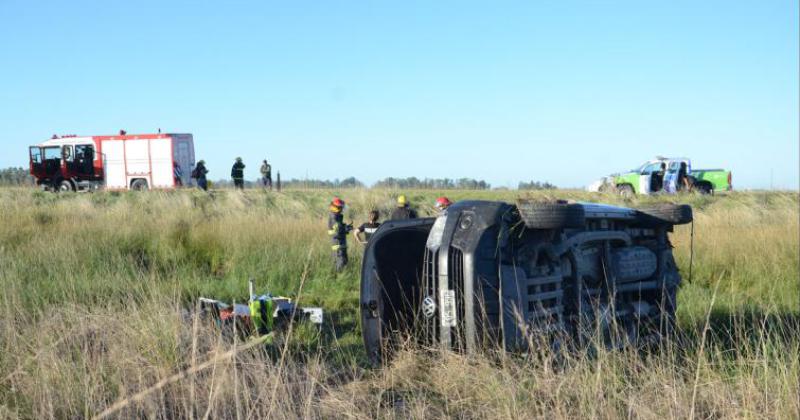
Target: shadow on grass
[748,328]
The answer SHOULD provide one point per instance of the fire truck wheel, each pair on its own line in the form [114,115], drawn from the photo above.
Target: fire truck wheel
[139,185]
[65,186]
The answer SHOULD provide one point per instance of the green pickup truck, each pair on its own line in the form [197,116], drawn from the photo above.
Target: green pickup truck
[661,175]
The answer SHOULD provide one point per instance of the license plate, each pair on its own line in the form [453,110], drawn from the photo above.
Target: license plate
[447,301]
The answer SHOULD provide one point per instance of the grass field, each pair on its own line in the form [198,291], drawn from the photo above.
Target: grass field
[94,290]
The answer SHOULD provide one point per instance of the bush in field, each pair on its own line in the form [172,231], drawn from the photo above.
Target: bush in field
[350,182]
[536,185]
[15,177]
[435,184]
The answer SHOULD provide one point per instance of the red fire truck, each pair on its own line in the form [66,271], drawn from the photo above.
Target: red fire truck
[121,162]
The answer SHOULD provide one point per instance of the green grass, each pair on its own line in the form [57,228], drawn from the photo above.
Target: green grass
[94,287]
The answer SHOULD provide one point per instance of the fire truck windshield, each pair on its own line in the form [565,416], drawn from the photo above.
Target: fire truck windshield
[52,153]
[36,155]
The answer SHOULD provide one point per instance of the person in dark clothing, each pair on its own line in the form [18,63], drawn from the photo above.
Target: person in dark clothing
[177,174]
[403,211]
[338,231]
[657,178]
[266,175]
[366,230]
[199,173]
[237,173]
[683,183]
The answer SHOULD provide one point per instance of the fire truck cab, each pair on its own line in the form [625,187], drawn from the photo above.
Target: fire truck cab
[121,162]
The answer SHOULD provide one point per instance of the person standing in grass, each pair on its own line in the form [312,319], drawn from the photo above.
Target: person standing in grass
[199,173]
[403,210]
[177,174]
[266,175]
[366,230]
[237,173]
[338,231]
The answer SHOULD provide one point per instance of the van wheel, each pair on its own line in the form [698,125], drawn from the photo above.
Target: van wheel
[65,186]
[139,185]
[663,214]
[625,190]
[551,215]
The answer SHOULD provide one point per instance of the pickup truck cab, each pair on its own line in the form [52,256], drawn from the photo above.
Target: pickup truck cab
[660,175]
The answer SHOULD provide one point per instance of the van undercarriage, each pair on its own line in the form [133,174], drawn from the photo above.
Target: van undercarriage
[496,275]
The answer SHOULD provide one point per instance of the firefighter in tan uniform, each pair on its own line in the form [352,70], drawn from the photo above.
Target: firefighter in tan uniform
[338,232]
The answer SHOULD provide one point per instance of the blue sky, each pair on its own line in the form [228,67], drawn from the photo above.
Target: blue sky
[503,91]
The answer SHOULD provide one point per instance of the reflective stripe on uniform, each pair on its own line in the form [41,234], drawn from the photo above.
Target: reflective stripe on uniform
[332,231]
[261,314]
[338,247]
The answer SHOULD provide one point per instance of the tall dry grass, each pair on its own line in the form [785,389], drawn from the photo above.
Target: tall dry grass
[98,291]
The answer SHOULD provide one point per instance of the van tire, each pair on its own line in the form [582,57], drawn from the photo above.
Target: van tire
[551,215]
[665,214]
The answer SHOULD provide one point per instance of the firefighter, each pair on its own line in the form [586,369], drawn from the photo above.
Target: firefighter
[266,175]
[237,173]
[177,174]
[442,203]
[338,231]
[199,173]
[366,230]
[403,211]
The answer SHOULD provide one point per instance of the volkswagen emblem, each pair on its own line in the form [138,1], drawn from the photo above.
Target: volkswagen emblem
[428,307]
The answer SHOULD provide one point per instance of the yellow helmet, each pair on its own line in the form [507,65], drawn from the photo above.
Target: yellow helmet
[401,201]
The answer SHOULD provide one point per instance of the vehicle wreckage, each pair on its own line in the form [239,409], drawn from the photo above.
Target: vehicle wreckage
[496,275]
[261,316]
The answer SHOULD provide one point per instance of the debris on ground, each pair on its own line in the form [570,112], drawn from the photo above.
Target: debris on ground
[262,315]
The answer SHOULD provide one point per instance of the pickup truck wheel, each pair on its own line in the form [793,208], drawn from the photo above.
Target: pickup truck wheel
[551,215]
[704,188]
[625,190]
[672,214]
[65,186]
[139,185]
